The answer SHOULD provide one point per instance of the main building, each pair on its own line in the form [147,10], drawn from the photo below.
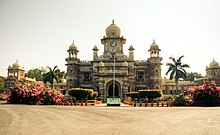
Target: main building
[113,68]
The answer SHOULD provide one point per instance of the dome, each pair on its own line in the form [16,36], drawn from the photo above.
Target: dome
[16,65]
[154,46]
[113,30]
[73,46]
[214,63]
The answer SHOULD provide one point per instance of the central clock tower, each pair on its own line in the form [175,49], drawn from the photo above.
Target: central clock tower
[112,42]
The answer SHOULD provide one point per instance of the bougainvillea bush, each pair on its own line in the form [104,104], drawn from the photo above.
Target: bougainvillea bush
[206,95]
[33,93]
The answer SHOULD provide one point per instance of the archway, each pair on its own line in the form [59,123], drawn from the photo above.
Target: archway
[110,90]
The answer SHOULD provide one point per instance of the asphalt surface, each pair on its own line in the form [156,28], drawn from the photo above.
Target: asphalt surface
[77,120]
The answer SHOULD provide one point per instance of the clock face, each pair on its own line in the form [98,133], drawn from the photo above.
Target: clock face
[113,43]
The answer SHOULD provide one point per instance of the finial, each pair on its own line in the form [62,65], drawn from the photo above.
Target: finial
[113,22]
[153,40]
[17,61]
[73,41]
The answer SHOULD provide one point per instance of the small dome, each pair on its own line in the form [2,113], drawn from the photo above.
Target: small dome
[95,48]
[214,63]
[154,46]
[125,64]
[131,48]
[73,46]
[16,65]
[113,30]
[101,64]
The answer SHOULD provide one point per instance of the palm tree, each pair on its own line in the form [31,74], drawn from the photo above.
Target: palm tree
[53,74]
[177,70]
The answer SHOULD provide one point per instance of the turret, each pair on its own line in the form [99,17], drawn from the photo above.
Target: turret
[131,52]
[154,50]
[95,52]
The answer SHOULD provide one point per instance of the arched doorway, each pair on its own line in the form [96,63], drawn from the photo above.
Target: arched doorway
[110,90]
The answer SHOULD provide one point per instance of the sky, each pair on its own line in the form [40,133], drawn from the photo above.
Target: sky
[39,32]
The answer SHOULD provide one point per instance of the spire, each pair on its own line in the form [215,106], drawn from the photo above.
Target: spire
[113,22]
[153,40]
[73,41]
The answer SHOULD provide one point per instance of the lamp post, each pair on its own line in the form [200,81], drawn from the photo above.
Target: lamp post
[113,93]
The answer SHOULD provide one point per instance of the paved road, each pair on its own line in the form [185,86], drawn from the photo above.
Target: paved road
[67,120]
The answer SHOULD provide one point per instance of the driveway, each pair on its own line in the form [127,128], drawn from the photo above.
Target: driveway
[77,120]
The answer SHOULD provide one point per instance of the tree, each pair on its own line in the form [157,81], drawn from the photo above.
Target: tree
[192,75]
[1,84]
[176,67]
[53,74]
[36,73]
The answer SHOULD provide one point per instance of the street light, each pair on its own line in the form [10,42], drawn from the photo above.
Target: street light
[113,74]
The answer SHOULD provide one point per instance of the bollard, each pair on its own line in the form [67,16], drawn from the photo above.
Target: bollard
[140,104]
[134,104]
[157,104]
[162,104]
[152,104]
[86,103]
[81,103]
[167,104]
[146,104]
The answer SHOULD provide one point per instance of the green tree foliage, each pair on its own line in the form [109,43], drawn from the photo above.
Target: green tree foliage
[53,75]
[192,75]
[36,73]
[150,94]
[1,84]
[176,69]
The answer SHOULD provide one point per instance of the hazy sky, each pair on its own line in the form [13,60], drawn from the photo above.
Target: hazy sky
[39,32]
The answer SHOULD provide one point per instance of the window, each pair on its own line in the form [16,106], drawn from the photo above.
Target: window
[87,77]
[140,76]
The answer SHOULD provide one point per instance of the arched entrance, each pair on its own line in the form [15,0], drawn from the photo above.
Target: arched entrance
[110,90]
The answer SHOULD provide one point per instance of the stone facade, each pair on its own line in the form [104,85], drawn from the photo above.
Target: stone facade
[213,72]
[113,68]
[15,72]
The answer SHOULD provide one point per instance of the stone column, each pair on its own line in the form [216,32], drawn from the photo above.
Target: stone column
[101,90]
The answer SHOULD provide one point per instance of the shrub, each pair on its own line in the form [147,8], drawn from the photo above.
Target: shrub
[206,95]
[33,93]
[133,95]
[4,96]
[150,94]
[80,93]
[182,100]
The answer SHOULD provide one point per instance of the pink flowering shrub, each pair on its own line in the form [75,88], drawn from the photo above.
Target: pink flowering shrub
[33,93]
[206,95]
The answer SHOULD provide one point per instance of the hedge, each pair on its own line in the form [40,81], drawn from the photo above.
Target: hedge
[81,93]
[150,94]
